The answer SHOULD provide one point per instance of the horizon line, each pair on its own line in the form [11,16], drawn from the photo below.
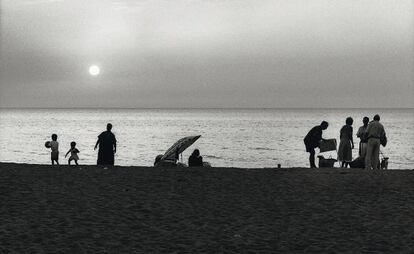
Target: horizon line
[207,108]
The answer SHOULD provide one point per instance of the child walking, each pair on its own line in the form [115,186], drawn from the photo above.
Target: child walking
[54,145]
[73,153]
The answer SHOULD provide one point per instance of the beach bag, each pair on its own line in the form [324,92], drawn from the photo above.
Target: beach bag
[326,163]
[326,145]
[383,140]
[358,163]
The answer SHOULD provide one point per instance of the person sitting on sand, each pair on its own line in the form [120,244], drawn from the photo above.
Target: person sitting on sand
[346,144]
[73,153]
[54,146]
[195,160]
[362,134]
[312,140]
[107,147]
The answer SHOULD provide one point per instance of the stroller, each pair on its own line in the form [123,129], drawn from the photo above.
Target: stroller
[327,145]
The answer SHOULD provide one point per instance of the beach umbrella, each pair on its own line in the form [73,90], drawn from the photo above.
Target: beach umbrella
[179,147]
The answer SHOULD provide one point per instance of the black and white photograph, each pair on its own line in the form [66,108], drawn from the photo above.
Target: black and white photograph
[206,126]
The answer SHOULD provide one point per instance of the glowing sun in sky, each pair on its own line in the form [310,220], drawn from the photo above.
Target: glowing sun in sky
[94,70]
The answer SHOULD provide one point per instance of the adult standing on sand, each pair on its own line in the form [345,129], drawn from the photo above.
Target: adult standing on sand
[346,144]
[376,137]
[312,140]
[362,134]
[107,146]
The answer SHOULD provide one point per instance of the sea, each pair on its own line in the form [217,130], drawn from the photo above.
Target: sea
[245,138]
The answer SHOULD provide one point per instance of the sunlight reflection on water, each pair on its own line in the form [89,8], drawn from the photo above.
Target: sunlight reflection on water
[236,138]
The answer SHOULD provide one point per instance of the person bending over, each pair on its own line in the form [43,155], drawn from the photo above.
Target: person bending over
[312,140]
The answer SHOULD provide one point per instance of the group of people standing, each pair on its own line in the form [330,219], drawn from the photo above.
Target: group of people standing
[371,135]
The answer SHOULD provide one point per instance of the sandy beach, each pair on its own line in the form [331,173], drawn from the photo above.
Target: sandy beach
[88,209]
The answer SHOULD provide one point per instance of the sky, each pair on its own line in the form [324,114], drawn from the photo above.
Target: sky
[207,53]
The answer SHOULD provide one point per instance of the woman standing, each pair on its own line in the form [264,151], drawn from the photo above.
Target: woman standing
[107,147]
[346,144]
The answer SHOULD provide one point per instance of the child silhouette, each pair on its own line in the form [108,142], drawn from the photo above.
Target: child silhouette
[73,153]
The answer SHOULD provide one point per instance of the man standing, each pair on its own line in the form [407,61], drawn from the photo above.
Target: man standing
[107,146]
[375,132]
[362,134]
[312,140]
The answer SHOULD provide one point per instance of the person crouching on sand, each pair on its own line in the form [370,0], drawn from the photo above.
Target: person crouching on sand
[73,153]
[54,146]
[195,160]
[312,140]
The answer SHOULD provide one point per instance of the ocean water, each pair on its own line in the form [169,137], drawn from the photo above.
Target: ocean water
[230,137]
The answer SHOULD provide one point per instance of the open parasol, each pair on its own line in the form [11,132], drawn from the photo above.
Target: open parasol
[179,147]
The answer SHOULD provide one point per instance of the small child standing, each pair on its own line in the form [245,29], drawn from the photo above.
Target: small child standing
[73,153]
[54,145]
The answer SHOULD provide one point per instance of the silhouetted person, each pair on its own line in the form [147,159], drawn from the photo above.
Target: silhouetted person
[346,144]
[73,153]
[312,140]
[195,160]
[107,146]
[362,134]
[54,146]
[375,132]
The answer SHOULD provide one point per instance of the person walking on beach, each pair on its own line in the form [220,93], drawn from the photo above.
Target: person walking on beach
[312,140]
[347,143]
[54,146]
[362,135]
[376,134]
[107,147]
[73,153]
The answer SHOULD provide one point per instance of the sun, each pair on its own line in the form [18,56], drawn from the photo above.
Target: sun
[94,70]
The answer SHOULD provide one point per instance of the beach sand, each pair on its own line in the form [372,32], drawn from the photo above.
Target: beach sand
[88,209]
